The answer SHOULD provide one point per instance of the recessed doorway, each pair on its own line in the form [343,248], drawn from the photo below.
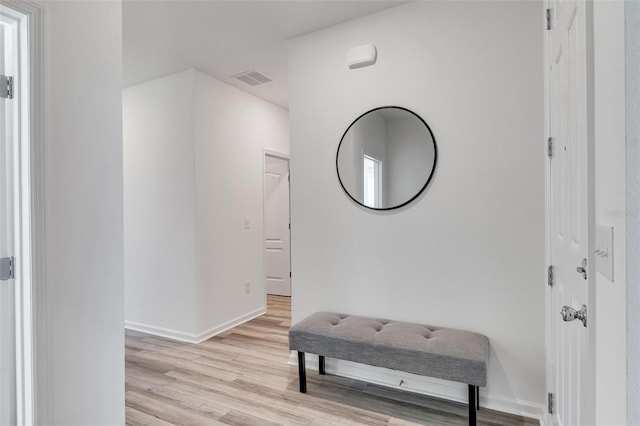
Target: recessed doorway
[277,226]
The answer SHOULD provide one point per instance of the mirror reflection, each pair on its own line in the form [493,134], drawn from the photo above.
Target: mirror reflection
[386,158]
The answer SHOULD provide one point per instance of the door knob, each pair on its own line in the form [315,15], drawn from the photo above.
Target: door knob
[582,269]
[570,314]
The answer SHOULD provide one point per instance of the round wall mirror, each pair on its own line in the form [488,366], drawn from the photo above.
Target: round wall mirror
[386,158]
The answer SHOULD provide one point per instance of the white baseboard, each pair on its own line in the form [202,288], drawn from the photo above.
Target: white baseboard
[192,337]
[423,385]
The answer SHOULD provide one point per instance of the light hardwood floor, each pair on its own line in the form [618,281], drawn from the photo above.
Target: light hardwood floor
[242,377]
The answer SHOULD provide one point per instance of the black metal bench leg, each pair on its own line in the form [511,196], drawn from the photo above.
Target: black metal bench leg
[302,374]
[321,364]
[472,405]
[477,397]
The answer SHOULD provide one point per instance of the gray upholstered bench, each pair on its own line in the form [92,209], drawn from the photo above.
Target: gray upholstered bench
[444,353]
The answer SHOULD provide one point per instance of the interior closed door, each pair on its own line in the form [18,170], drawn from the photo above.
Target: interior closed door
[570,348]
[7,287]
[276,226]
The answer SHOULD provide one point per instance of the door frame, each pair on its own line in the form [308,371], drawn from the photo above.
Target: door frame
[265,153]
[32,332]
[632,100]
[589,382]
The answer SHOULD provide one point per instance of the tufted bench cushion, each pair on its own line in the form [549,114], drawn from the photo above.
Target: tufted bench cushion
[444,353]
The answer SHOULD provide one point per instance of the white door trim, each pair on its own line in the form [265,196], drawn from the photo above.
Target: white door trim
[34,374]
[545,415]
[632,64]
[276,154]
[589,382]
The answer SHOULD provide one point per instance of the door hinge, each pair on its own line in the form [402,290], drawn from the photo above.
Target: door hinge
[6,87]
[7,268]
[550,276]
[548,19]
[550,403]
[550,147]
[289,274]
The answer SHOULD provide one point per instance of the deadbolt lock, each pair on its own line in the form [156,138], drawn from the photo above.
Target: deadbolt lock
[582,269]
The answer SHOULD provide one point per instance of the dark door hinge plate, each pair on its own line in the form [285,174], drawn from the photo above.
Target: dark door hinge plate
[7,268]
[6,87]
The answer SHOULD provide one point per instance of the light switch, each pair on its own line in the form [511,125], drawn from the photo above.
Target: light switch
[247,224]
[604,250]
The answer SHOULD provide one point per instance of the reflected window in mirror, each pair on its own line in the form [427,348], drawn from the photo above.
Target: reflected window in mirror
[372,183]
[386,158]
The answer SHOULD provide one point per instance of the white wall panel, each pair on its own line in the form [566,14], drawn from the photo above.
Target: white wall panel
[84,224]
[469,252]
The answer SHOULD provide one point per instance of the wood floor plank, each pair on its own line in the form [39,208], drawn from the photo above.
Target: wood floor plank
[341,413]
[242,377]
[140,344]
[141,383]
[211,409]
[239,418]
[190,365]
[237,402]
[134,417]
[159,422]
[219,347]
[135,360]
[171,413]
[265,330]
[151,377]
[256,394]
[257,345]
[203,350]
[399,422]
[164,342]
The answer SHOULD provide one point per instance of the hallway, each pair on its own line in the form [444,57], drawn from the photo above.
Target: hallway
[241,377]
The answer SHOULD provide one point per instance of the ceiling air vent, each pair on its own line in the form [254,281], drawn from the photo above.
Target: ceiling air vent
[252,78]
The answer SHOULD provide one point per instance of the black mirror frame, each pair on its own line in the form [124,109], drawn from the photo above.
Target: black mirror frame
[433,169]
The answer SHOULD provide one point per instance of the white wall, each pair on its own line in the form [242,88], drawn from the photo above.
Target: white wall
[83,196]
[159,203]
[469,253]
[232,128]
[193,173]
[610,315]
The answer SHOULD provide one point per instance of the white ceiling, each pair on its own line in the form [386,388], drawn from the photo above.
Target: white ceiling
[224,38]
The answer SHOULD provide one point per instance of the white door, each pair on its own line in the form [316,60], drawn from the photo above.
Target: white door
[570,349]
[277,255]
[7,287]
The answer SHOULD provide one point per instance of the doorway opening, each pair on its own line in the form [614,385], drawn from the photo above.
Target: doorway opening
[277,225]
